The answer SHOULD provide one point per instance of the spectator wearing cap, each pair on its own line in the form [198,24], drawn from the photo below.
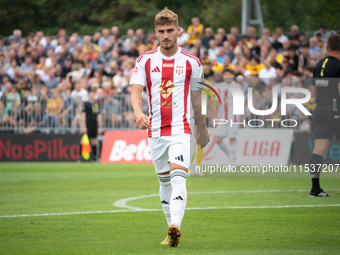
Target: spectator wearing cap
[304,58]
[281,37]
[294,36]
[182,39]
[195,30]
[313,46]
[104,39]
[324,33]
[208,35]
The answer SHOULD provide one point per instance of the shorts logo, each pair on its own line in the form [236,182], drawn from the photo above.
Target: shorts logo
[180,158]
[179,70]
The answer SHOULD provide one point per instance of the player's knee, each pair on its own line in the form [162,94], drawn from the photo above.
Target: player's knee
[219,139]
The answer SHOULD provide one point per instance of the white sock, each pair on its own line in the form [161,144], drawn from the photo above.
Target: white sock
[165,195]
[178,199]
[224,147]
[233,148]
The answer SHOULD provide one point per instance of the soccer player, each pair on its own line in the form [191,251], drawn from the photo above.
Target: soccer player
[225,111]
[327,110]
[170,75]
[91,122]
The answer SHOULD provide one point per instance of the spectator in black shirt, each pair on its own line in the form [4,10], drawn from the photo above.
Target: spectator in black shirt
[208,35]
[276,44]
[292,59]
[294,36]
[67,66]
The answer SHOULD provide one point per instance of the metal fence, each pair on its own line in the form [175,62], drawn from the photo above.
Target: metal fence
[61,114]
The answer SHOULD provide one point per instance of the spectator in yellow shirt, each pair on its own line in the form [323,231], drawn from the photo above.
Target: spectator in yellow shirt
[254,66]
[195,30]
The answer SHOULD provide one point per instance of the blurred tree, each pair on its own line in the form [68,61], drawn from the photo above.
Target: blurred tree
[89,16]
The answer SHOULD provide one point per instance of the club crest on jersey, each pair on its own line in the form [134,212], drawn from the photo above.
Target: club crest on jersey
[179,70]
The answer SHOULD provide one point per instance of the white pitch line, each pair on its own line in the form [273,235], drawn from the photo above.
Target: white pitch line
[156,210]
[122,204]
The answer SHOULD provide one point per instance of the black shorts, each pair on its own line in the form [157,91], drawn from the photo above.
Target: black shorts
[92,130]
[326,122]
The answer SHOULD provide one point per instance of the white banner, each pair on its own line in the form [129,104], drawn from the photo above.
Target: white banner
[254,147]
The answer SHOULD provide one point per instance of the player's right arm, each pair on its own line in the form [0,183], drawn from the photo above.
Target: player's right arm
[136,101]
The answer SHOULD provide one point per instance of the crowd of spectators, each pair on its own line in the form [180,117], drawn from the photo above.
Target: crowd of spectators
[45,79]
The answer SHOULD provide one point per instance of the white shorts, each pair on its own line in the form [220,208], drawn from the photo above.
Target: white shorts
[176,149]
[225,130]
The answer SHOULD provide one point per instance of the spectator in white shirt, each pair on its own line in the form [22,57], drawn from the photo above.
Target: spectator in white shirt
[280,35]
[80,92]
[182,39]
[267,73]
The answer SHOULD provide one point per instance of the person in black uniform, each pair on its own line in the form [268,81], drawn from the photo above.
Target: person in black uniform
[91,122]
[327,111]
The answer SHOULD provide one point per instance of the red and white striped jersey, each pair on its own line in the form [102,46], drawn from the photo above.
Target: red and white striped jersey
[225,111]
[169,82]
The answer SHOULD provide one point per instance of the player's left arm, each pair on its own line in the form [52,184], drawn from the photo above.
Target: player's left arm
[203,136]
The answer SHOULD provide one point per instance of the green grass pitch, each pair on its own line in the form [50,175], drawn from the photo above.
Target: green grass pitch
[228,216]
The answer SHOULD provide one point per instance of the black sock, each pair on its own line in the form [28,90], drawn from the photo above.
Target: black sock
[314,160]
[94,151]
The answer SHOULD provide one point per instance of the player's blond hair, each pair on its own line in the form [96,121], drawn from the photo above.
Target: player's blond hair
[166,17]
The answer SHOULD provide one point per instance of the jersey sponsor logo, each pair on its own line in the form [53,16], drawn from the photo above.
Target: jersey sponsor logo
[166,90]
[153,129]
[156,70]
[168,65]
[179,70]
